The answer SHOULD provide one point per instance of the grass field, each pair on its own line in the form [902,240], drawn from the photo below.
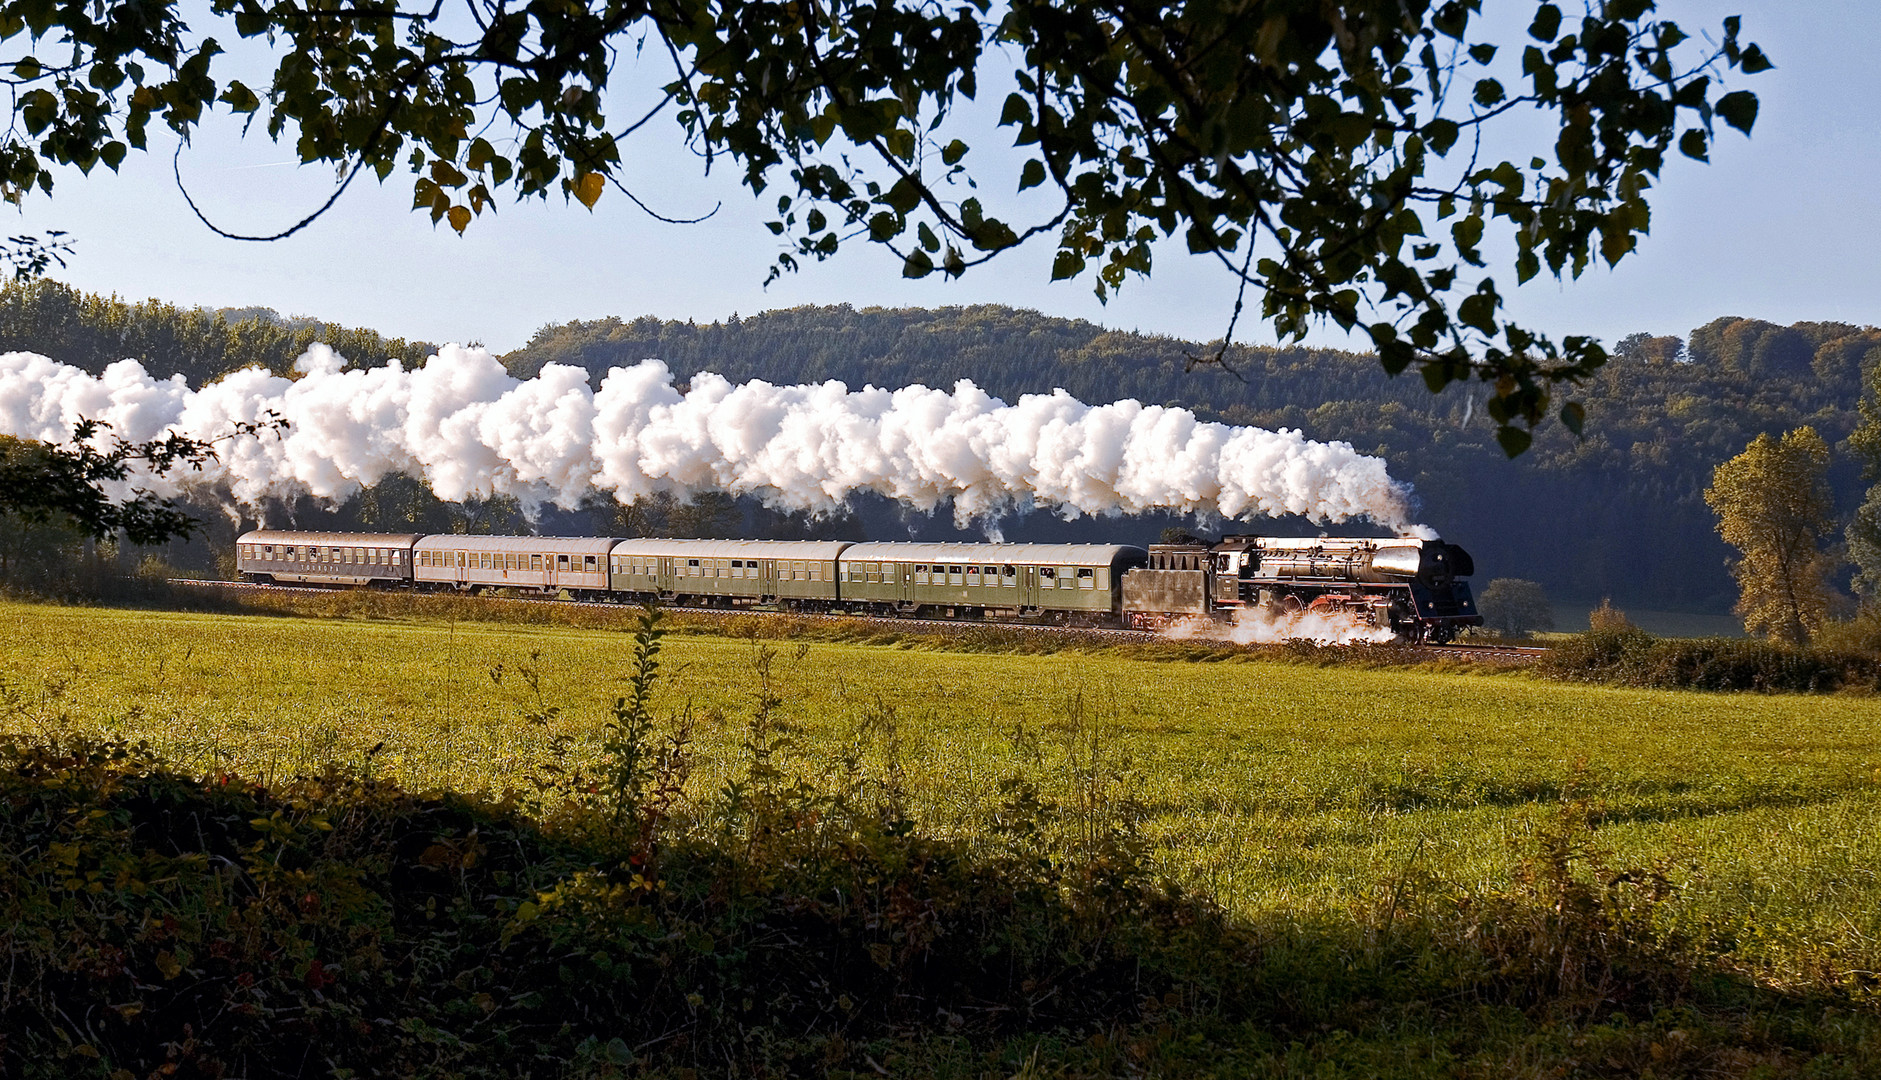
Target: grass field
[1285,792]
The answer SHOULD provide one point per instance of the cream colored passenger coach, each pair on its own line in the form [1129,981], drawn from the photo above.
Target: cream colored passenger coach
[545,563]
[325,558]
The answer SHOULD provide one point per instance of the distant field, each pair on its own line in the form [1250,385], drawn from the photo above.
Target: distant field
[1277,788]
[1572,619]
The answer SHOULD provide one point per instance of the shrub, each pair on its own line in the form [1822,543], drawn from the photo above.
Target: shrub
[1629,656]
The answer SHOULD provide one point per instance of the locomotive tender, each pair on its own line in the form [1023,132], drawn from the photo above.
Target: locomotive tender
[1410,585]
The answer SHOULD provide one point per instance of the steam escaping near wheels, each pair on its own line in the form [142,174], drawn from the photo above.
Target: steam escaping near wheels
[1269,626]
[465,426]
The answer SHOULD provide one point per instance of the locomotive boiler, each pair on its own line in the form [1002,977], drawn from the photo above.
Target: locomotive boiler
[1411,585]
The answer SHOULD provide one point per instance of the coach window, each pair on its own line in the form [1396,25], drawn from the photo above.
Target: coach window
[1067,577]
[561,562]
[1087,578]
[973,575]
[1009,575]
[587,563]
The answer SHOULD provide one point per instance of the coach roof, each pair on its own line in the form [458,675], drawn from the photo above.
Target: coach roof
[819,550]
[1028,554]
[328,539]
[528,545]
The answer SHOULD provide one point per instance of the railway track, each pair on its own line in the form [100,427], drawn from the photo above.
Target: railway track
[1474,651]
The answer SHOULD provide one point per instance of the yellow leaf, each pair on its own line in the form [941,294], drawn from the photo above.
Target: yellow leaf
[588,188]
[460,217]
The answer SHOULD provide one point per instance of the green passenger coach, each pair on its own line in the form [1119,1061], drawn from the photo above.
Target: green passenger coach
[1058,582]
[727,573]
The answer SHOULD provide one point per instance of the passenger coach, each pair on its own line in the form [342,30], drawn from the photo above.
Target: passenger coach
[728,573]
[545,564]
[1068,582]
[326,558]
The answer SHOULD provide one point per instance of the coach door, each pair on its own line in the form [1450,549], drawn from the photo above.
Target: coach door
[1028,586]
[767,578]
[904,582]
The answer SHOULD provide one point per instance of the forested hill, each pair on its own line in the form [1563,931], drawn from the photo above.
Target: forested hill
[1620,513]
[92,332]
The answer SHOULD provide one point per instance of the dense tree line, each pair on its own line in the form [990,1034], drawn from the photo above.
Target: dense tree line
[1618,513]
[92,332]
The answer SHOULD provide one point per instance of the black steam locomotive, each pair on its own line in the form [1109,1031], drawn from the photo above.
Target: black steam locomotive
[1411,586]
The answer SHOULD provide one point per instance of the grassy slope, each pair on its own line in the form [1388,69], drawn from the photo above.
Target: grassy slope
[1287,792]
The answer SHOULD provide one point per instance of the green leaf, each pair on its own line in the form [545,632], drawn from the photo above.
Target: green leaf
[1692,144]
[1513,439]
[37,108]
[1754,61]
[1067,264]
[1546,25]
[954,152]
[1573,416]
[917,265]
[1478,309]
[1489,92]
[1482,54]
[1017,111]
[1032,174]
[239,98]
[1739,109]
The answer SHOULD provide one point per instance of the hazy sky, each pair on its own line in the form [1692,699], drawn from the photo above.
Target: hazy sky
[1783,226]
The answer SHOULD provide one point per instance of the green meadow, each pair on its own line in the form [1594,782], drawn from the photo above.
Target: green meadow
[1281,791]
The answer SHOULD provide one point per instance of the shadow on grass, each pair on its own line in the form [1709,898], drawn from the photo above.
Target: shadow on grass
[335,925]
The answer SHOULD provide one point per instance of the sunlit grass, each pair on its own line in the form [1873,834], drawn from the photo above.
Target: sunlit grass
[1282,790]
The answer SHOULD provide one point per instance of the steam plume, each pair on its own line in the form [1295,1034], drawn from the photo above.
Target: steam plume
[468,428]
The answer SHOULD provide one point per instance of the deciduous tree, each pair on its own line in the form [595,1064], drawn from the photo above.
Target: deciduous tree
[1330,154]
[1774,506]
[1515,607]
[1864,532]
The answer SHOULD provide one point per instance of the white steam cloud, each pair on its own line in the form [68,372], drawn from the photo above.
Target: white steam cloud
[468,428]
[1265,626]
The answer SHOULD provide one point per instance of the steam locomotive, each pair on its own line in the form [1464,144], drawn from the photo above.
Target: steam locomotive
[1411,586]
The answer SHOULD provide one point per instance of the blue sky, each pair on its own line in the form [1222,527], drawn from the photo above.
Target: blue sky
[1783,226]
